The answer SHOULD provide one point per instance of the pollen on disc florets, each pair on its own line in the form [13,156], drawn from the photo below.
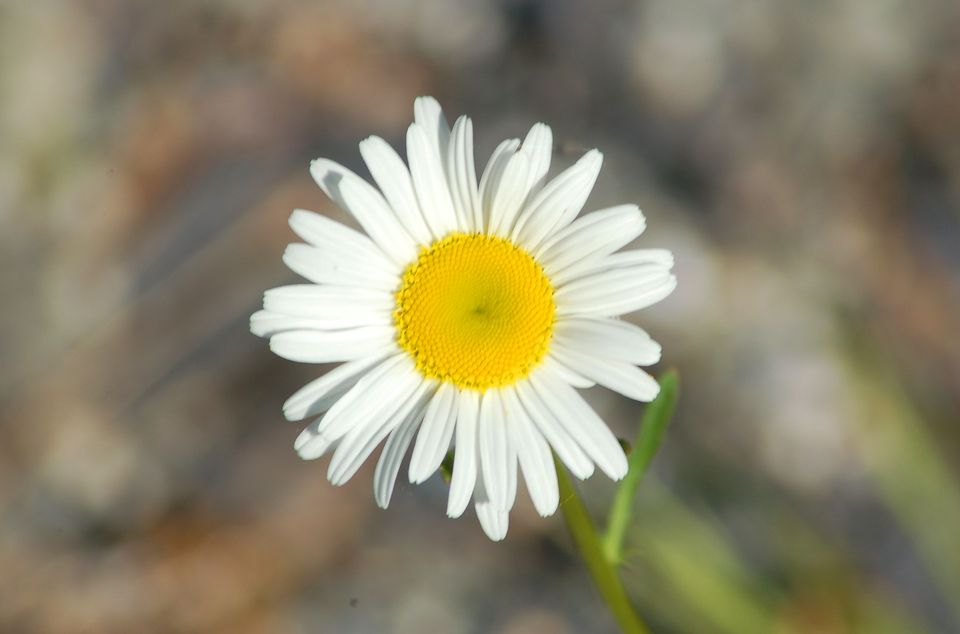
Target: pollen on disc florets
[475,310]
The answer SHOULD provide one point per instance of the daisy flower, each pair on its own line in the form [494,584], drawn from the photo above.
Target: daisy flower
[467,316]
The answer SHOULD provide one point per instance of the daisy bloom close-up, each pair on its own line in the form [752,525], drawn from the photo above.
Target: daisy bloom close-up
[467,317]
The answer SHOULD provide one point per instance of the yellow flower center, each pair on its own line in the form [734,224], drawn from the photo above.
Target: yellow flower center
[475,310]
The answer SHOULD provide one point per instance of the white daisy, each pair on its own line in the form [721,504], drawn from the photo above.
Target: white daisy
[466,317]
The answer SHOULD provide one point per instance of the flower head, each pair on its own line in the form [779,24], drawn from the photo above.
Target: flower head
[467,316]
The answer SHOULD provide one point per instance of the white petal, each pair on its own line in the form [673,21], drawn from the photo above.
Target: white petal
[558,203]
[490,180]
[367,205]
[316,346]
[379,220]
[538,148]
[619,376]
[385,475]
[493,518]
[428,114]
[313,307]
[571,376]
[659,258]
[614,292]
[430,183]
[493,521]
[609,338]
[494,449]
[462,175]
[390,381]
[265,323]
[341,242]
[562,442]
[393,178]
[305,299]
[433,439]
[327,267]
[359,442]
[511,191]
[296,298]
[313,445]
[580,421]
[511,472]
[533,453]
[596,234]
[318,395]
[331,307]
[465,461]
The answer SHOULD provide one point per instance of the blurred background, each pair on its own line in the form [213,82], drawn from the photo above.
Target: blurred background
[801,159]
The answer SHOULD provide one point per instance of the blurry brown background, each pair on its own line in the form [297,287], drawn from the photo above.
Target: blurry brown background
[801,159]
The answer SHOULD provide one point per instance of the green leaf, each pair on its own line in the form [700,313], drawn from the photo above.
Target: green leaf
[655,421]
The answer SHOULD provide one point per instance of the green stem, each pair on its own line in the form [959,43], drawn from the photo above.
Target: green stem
[587,541]
[655,421]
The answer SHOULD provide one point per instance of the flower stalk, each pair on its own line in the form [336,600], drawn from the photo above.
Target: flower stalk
[603,556]
[604,575]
